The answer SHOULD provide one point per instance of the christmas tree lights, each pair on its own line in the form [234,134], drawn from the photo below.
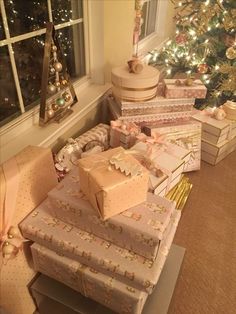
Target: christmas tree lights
[204,46]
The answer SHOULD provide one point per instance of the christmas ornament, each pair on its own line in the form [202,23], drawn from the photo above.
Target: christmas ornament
[67,97]
[202,68]
[178,83]
[52,70]
[54,107]
[181,39]
[7,249]
[64,82]
[188,82]
[60,102]
[57,66]
[231,53]
[13,232]
[219,114]
[50,113]
[135,66]
[54,48]
[51,89]
[57,84]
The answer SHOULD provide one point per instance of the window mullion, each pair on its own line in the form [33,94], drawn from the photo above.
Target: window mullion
[12,58]
[50,10]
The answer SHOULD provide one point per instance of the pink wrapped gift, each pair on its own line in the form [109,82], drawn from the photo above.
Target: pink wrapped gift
[140,273]
[107,177]
[157,105]
[186,134]
[147,118]
[173,90]
[104,289]
[25,181]
[167,168]
[129,229]
[123,134]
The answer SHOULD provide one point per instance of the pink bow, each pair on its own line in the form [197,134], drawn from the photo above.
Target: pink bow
[129,127]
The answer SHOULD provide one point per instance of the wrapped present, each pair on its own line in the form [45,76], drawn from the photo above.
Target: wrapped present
[72,151]
[214,153]
[128,230]
[186,135]
[230,109]
[25,181]
[213,130]
[147,118]
[89,282]
[135,270]
[106,177]
[178,88]
[156,105]
[123,134]
[165,169]
[134,87]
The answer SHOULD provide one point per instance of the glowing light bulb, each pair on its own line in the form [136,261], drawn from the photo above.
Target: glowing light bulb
[217,67]
[208,28]
[192,32]
[168,71]
[180,4]
[207,2]
[168,42]
[206,41]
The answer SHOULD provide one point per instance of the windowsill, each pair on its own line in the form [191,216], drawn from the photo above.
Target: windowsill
[150,43]
[88,99]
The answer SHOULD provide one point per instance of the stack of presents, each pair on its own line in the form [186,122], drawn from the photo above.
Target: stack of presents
[105,230]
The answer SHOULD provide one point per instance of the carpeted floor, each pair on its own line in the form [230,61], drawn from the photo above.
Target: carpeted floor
[207,282]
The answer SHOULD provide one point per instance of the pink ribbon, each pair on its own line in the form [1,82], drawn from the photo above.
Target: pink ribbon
[156,138]
[12,179]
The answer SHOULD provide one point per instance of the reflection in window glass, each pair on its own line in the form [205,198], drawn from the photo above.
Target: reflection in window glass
[9,107]
[26,16]
[151,17]
[144,17]
[72,44]
[2,33]
[66,10]
[29,60]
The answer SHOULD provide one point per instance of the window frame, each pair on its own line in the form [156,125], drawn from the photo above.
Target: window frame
[159,37]
[33,113]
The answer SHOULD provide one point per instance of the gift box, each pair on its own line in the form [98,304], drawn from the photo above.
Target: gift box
[181,90]
[170,167]
[156,105]
[147,118]
[123,134]
[128,230]
[230,109]
[215,131]
[89,282]
[105,178]
[186,135]
[134,270]
[214,153]
[25,181]
[97,137]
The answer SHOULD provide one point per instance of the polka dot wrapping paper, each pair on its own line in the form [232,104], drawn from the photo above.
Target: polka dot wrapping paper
[37,177]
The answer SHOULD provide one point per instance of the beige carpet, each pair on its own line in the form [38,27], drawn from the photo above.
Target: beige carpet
[207,282]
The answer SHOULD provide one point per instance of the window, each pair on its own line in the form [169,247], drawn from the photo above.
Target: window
[149,13]
[22,35]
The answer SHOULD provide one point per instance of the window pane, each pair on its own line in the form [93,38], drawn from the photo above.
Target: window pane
[29,60]
[9,107]
[144,17]
[72,43]
[2,33]
[26,16]
[151,17]
[66,10]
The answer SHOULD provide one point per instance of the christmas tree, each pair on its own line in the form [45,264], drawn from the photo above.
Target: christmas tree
[204,47]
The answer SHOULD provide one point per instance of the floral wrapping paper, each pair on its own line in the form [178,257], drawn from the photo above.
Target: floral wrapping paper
[104,289]
[130,229]
[137,271]
[37,177]
[186,134]
[197,90]
[216,131]
[105,183]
